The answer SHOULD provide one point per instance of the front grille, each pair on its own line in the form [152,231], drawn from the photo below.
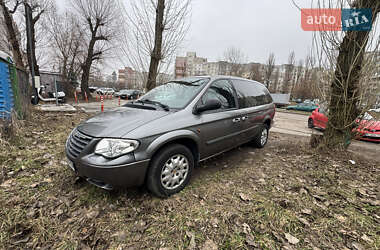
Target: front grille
[77,142]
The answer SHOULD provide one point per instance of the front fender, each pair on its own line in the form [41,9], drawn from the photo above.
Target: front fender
[166,138]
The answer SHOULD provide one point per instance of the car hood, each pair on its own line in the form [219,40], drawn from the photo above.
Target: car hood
[119,122]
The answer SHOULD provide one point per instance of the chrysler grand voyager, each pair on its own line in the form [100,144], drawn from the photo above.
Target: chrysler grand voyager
[158,139]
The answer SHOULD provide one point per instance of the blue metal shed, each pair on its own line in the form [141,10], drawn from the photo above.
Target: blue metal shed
[6,92]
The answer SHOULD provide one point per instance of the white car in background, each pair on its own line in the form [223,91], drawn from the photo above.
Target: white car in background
[105,91]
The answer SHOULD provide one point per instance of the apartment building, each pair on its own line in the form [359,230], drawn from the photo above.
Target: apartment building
[191,65]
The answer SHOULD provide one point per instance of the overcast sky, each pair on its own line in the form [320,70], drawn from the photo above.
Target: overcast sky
[257,27]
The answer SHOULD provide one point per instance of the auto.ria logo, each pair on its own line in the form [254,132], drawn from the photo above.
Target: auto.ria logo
[356,19]
[336,19]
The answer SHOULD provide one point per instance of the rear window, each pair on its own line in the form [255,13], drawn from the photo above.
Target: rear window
[251,94]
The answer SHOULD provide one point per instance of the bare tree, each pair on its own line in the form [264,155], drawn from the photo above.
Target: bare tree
[156,54]
[269,68]
[144,35]
[12,31]
[100,17]
[276,80]
[255,72]
[345,58]
[66,42]
[39,9]
[289,70]
[236,58]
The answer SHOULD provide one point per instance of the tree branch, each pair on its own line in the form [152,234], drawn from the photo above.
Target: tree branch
[15,7]
[101,38]
[36,18]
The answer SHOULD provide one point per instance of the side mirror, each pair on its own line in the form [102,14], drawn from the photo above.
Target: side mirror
[212,104]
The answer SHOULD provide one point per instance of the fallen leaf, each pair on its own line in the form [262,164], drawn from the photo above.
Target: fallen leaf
[48,180]
[244,197]
[34,185]
[246,228]
[303,191]
[291,239]
[25,240]
[306,211]
[357,246]
[366,238]
[304,221]
[92,214]
[121,236]
[372,202]
[191,236]
[214,222]
[340,218]
[250,240]
[7,184]
[363,192]
[209,245]
[141,226]
[319,198]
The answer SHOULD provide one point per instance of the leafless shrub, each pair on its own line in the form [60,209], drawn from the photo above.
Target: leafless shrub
[269,68]
[237,59]
[138,40]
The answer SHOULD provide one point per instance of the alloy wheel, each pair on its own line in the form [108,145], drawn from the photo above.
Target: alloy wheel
[174,172]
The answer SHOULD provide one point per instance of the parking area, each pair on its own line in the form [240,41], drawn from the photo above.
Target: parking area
[95,106]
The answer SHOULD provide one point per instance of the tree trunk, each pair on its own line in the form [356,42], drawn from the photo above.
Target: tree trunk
[343,108]
[156,55]
[16,51]
[34,58]
[86,67]
[31,48]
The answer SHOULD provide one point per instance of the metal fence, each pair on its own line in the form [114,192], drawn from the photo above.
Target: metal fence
[14,91]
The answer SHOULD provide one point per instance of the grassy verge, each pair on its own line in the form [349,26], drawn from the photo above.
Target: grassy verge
[285,195]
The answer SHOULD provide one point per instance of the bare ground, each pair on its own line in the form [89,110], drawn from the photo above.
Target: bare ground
[284,196]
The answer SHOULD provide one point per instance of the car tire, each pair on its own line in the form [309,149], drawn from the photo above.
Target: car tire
[310,123]
[176,177]
[262,137]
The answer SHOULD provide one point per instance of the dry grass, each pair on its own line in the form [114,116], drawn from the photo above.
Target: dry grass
[246,198]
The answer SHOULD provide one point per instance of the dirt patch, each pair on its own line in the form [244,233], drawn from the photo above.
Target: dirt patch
[285,195]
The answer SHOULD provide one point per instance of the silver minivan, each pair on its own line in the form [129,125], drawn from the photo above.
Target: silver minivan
[158,139]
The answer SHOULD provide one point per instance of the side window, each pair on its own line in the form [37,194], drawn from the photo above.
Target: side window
[251,94]
[222,91]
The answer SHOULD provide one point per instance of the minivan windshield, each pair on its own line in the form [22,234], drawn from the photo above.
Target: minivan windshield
[176,94]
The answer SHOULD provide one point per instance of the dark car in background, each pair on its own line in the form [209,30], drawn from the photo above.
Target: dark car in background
[159,138]
[305,106]
[130,94]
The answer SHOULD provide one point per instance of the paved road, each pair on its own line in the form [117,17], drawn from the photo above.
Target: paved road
[293,124]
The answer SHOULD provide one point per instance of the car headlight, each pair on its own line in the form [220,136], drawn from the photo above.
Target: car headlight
[112,148]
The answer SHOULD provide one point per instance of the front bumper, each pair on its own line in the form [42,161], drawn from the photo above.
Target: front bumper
[366,135]
[110,176]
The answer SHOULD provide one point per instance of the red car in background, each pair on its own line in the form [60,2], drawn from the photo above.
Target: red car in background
[368,129]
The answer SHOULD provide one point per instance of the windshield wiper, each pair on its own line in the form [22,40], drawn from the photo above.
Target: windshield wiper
[165,107]
[186,82]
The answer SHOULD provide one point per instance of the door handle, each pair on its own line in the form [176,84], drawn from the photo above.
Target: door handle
[236,120]
[244,118]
